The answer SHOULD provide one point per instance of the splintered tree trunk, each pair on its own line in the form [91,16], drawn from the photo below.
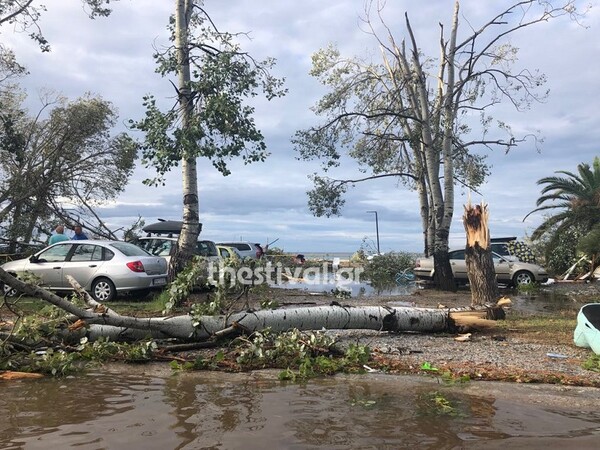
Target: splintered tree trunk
[478,256]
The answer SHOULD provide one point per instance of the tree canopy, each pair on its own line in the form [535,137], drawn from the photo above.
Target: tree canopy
[574,200]
[59,163]
[410,115]
[24,16]
[212,117]
[572,206]
[223,79]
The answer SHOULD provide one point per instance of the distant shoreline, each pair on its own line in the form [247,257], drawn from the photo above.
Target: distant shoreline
[322,255]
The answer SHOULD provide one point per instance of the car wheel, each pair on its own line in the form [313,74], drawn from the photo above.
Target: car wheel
[522,278]
[103,290]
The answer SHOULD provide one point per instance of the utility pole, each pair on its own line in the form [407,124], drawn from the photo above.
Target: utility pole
[377,230]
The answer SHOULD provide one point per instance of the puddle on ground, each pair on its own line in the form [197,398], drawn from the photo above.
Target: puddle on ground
[546,299]
[355,289]
[139,407]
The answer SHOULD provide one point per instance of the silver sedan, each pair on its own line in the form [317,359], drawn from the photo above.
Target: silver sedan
[103,268]
[508,271]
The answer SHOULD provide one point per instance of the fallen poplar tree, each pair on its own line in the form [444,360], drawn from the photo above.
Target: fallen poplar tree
[100,321]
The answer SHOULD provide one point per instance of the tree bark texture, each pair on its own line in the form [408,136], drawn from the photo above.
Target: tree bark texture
[442,271]
[187,242]
[478,256]
[99,321]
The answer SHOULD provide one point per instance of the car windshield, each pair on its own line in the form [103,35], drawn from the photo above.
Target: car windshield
[207,248]
[238,245]
[460,254]
[129,249]
[57,253]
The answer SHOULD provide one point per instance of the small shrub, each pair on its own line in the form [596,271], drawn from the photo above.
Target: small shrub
[382,269]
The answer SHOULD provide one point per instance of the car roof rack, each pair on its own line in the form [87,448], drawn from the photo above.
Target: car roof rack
[170,227]
[503,239]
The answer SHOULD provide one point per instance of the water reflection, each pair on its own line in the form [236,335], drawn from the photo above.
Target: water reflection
[547,299]
[144,407]
[327,282]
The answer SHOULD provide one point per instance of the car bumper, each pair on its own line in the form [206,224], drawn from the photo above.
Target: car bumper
[142,282]
[423,274]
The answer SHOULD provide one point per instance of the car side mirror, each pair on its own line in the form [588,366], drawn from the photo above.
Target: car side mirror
[34,259]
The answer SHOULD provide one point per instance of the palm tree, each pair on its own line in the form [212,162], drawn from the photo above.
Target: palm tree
[590,246]
[575,197]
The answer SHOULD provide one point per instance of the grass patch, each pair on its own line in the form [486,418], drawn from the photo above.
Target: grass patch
[25,305]
[592,363]
[131,307]
[556,328]
[529,288]
[126,305]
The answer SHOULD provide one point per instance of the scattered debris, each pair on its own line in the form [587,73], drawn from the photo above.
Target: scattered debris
[10,375]
[504,301]
[463,337]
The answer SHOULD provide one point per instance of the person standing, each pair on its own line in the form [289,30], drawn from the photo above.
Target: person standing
[59,236]
[79,234]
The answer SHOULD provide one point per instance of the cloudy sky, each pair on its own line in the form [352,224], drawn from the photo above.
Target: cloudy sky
[267,201]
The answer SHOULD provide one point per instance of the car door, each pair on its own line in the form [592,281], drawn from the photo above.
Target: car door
[83,263]
[502,267]
[458,264]
[48,265]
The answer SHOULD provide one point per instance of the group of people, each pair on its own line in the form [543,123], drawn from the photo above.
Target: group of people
[60,235]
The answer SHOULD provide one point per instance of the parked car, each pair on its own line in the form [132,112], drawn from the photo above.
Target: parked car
[509,272]
[165,246]
[162,240]
[245,249]
[20,250]
[104,268]
[228,252]
[512,249]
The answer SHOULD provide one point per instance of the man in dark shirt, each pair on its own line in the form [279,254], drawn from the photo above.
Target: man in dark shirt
[79,234]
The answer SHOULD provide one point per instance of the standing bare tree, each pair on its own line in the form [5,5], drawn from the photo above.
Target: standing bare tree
[211,118]
[410,116]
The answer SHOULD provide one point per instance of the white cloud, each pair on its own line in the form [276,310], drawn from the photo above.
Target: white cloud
[113,57]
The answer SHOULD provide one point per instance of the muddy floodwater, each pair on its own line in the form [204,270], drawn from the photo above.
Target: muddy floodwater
[149,407]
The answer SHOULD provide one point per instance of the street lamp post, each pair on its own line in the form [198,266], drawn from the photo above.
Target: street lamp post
[376,229]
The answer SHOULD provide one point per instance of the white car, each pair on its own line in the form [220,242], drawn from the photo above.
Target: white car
[104,268]
[162,241]
[228,252]
[245,249]
[166,246]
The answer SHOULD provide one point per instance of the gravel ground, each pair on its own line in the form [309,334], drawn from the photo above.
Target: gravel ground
[485,356]
[495,354]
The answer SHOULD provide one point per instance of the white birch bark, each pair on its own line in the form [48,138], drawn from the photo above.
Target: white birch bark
[303,318]
[189,177]
[99,321]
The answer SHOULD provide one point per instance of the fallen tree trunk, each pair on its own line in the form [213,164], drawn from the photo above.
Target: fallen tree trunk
[99,321]
[307,318]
